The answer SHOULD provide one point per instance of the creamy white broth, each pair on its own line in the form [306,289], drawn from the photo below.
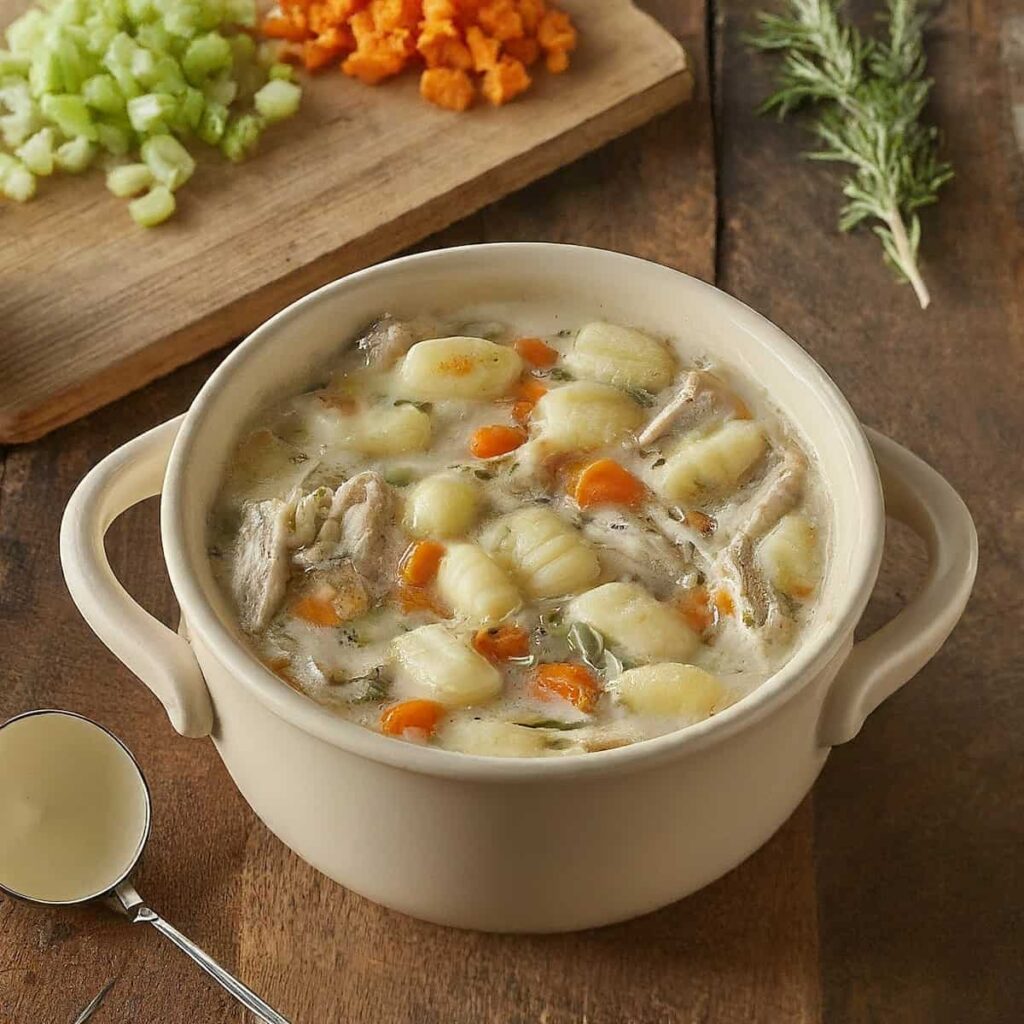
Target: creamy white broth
[733,512]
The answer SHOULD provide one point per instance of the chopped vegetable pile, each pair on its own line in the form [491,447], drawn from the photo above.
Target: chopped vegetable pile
[495,40]
[123,78]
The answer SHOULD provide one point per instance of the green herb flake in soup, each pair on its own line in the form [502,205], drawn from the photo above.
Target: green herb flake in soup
[645,548]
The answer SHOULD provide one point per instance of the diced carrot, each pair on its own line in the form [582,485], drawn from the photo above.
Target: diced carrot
[505,81]
[449,88]
[530,389]
[500,19]
[724,602]
[571,682]
[376,39]
[318,610]
[438,10]
[695,607]
[417,715]
[531,11]
[502,642]
[418,599]
[281,667]
[293,28]
[556,32]
[557,61]
[526,50]
[441,46]
[605,482]
[529,392]
[701,522]
[421,561]
[489,442]
[482,48]
[536,352]
[521,412]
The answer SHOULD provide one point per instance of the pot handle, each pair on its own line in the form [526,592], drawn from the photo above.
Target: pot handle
[915,494]
[157,655]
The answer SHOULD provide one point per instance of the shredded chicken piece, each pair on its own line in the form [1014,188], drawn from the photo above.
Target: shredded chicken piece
[737,561]
[261,568]
[388,339]
[360,526]
[695,397]
[633,547]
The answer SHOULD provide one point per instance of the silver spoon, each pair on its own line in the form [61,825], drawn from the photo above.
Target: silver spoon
[40,742]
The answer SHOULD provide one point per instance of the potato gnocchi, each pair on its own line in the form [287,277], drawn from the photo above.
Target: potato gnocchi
[456,542]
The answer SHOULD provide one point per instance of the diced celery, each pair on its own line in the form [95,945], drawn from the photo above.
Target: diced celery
[277,100]
[190,110]
[139,10]
[45,74]
[16,96]
[75,66]
[7,164]
[168,159]
[240,12]
[241,136]
[206,55]
[143,65]
[37,152]
[220,89]
[167,76]
[18,128]
[101,92]
[181,19]
[25,34]
[14,64]
[213,123]
[129,180]
[116,137]
[117,59]
[70,114]
[99,33]
[67,12]
[243,48]
[112,74]
[154,37]
[153,208]
[17,182]
[74,156]
[150,112]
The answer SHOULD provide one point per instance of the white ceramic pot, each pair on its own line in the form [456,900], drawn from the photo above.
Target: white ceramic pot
[507,844]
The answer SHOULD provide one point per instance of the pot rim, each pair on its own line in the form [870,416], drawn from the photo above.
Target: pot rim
[299,711]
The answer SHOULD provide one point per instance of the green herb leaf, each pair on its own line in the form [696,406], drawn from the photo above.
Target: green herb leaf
[551,723]
[640,396]
[867,95]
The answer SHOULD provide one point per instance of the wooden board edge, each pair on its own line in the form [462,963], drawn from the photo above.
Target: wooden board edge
[29,422]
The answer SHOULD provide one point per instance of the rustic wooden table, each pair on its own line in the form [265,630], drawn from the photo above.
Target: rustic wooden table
[894,893]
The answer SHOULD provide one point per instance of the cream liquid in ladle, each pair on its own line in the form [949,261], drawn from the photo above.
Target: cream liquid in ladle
[74,817]
[74,810]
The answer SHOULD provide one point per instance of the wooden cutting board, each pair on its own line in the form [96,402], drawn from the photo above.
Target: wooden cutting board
[92,307]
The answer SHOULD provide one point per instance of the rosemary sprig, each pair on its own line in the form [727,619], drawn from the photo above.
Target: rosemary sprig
[868,96]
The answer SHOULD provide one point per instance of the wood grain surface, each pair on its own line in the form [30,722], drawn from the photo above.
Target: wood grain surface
[892,895]
[92,307]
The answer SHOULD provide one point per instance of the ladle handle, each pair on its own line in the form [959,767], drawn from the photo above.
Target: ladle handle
[137,911]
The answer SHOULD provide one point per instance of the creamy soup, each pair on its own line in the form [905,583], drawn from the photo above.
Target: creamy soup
[500,541]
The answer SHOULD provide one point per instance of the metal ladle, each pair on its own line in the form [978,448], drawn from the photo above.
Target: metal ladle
[120,894]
